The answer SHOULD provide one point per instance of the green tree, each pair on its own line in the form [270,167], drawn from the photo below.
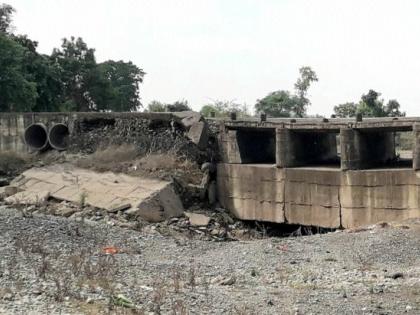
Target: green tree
[345,110]
[117,89]
[178,106]
[223,108]
[392,109]
[6,12]
[78,73]
[370,105]
[307,76]
[283,104]
[17,90]
[44,72]
[156,106]
[279,104]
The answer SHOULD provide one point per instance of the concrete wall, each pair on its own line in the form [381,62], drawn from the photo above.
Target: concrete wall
[324,197]
[12,127]
[252,192]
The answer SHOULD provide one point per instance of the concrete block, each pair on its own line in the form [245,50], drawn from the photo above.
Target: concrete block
[199,134]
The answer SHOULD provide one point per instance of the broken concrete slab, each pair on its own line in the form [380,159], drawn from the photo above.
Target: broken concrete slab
[147,198]
[7,191]
[188,118]
[197,219]
[199,134]
[28,198]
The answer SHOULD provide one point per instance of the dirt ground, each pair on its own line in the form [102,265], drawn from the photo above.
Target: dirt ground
[54,265]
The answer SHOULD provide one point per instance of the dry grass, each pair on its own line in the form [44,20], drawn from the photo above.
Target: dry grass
[109,158]
[126,159]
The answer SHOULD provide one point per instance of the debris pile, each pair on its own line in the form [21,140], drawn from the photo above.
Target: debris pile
[186,136]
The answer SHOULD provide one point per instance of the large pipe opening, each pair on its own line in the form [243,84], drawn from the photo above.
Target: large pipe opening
[59,137]
[36,137]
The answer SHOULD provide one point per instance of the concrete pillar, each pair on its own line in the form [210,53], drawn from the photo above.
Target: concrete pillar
[284,148]
[229,147]
[416,148]
[350,151]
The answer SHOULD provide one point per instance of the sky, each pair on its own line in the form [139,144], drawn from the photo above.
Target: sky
[241,50]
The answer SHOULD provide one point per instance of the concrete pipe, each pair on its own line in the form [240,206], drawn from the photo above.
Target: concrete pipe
[36,137]
[59,137]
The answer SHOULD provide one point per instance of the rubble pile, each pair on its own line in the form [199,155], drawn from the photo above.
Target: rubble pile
[147,135]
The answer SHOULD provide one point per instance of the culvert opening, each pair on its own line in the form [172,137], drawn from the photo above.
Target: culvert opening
[386,149]
[36,137]
[59,137]
[271,229]
[312,148]
[257,146]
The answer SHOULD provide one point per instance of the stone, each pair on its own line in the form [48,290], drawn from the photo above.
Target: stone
[197,219]
[65,211]
[228,281]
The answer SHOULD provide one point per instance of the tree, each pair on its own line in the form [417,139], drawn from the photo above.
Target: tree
[17,90]
[44,73]
[223,108]
[307,76]
[370,106]
[79,72]
[6,12]
[178,106]
[117,88]
[284,104]
[156,106]
[345,110]
[279,104]
[392,109]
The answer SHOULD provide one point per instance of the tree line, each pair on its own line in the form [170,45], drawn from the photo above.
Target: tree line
[70,79]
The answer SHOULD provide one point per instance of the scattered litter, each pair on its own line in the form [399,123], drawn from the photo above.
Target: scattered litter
[110,250]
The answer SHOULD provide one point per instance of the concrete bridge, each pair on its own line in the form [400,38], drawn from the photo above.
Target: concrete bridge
[323,172]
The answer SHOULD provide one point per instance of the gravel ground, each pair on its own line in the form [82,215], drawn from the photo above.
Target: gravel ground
[54,265]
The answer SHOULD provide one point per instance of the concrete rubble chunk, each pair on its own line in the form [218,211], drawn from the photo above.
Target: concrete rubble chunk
[29,197]
[7,191]
[149,199]
[197,219]
[199,134]
[188,118]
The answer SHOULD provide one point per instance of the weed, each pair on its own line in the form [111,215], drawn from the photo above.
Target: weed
[176,280]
